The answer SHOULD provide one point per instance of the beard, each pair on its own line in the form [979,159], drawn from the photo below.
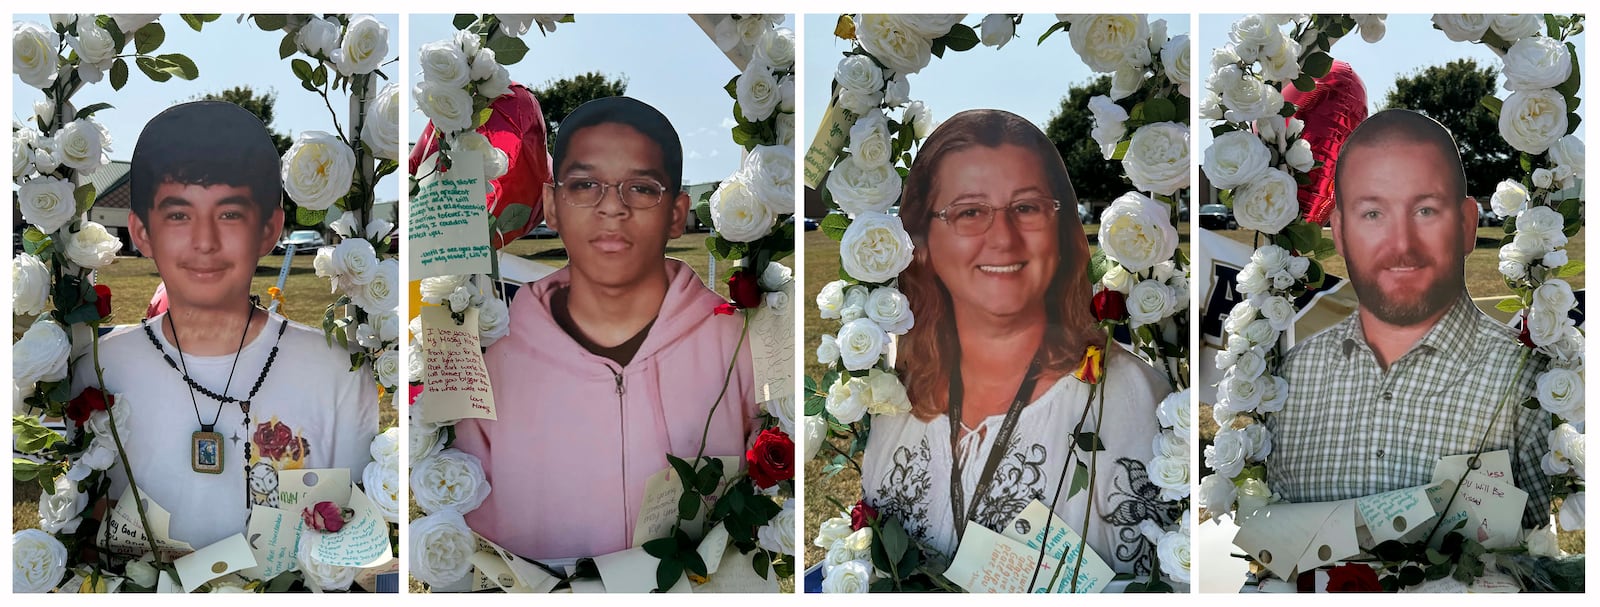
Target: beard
[1401,311]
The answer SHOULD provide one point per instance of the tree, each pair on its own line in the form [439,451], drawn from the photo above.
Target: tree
[1450,94]
[1093,177]
[559,97]
[260,105]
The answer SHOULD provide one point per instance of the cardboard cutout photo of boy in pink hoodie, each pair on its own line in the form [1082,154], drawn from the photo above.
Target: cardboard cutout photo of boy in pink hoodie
[613,361]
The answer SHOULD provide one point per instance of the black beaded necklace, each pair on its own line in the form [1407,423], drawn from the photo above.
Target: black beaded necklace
[205,447]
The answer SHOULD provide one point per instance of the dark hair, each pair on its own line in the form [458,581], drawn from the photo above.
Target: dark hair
[925,360]
[1408,126]
[633,114]
[205,143]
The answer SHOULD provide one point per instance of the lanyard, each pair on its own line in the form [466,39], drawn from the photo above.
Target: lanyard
[1002,443]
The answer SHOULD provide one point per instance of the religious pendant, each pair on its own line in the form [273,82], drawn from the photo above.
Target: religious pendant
[205,451]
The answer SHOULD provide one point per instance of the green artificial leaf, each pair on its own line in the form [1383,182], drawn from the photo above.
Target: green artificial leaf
[271,22]
[1317,65]
[153,68]
[1087,441]
[119,74]
[1573,268]
[508,50]
[688,506]
[1288,110]
[895,540]
[89,111]
[834,225]
[1531,403]
[31,436]
[695,564]
[193,21]
[733,91]
[149,38]
[685,471]
[1159,109]
[709,476]
[308,217]
[1305,83]
[287,46]
[482,118]
[463,21]
[513,217]
[319,76]
[668,573]
[1121,149]
[760,562]
[1080,480]
[84,195]
[1574,83]
[961,38]
[1493,104]
[1059,25]
[301,68]
[181,66]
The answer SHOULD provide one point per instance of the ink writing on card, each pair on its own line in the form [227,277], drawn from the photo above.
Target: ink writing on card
[447,222]
[457,380]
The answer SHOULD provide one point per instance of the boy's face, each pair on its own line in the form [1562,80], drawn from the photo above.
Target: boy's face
[611,243]
[206,241]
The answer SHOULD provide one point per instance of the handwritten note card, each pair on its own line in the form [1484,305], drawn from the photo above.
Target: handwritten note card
[448,233]
[1290,538]
[1491,508]
[214,561]
[274,537]
[1393,515]
[772,352]
[1063,551]
[527,577]
[659,509]
[633,570]
[736,575]
[125,531]
[457,381]
[989,562]
[363,542]
[825,146]
[298,489]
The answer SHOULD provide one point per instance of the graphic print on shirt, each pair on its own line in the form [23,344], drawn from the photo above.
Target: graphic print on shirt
[904,490]
[1133,499]
[275,446]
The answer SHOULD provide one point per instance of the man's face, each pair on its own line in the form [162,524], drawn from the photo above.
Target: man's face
[1402,230]
[611,243]
[206,241]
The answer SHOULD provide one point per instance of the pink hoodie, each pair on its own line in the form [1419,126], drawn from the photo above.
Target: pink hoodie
[577,438]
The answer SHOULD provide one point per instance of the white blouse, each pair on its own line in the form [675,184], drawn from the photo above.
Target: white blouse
[907,465]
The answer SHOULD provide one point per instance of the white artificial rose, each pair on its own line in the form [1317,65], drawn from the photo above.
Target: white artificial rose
[1258,442]
[1173,550]
[1569,152]
[861,343]
[381,482]
[1299,156]
[381,131]
[920,117]
[1158,158]
[738,213]
[385,447]
[47,203]
[318,37]
[1371,26]
[1248,365]
[1226,454]
[1566,451]
[1542,178]
[517,25]
[1246,97]
[778,534]
[34,53]
[22,141]
[46,156]
[816,431]
[62,510]
[1117,279]
[83,144]
[860,188]
[130,23]
[1135,231]
[317,170]
[1514,261]
[998,29]
[1539,231]
[41,354]
[1267,204]
[1158,36]
[451,480]
[1255,37]
[1253,495]
[1532,121]
[481,60]
[1537,62]
[757,91]
[1513,28]
[776,48]
[1554,296]
[875,248]
[382,289]
[1284,66]
[890,309]
[1260,332]
[441,548]
[1173,412]
[1554,259]
[870,144]
[449,108]
[422,438]
[497,84]
[142,573]
[1106,42]
[1217,494]
[365,44]
[1545,542]
[387,367]
[860,83]
[1509,198]
[885,394]
[92,246]
[781,409]
[847,400]
[495,160]
[778,301]
[1149,302]
[1171,474]
[848,578]
[893,41]
[786,94]
[1279,311]
[1274,393]
[1109,123]
[30,285]
[830,300]
[831,531]
[354,261]
[897,92]
[774,276]
[1462,28]
[1571,516]
[931,26]
[1560,392]
[437,289]
[1175,62]
[39,561]
[1547,327]
[828,350]
[494,321]
[1240,317]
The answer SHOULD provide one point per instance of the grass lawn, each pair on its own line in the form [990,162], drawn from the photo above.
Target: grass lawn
[133,280]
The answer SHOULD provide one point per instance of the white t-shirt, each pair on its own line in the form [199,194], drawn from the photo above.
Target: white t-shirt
[907,464]
[312,412]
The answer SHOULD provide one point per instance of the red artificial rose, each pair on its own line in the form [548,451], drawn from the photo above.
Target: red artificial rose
[1109,305]
[1353,577]
[273,438]
[90,400]
[744,289]
[726,309]
[324,516]
[862,515]
[1524,337]
[102,301]
[771,459]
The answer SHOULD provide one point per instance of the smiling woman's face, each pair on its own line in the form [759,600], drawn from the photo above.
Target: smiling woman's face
[1006,270]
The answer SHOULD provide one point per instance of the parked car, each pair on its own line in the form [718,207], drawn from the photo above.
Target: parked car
[1217,217]
[302,241]
[811,224]
[542,231]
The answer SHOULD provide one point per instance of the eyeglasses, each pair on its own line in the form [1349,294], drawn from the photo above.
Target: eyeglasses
[975,218]
[636,194]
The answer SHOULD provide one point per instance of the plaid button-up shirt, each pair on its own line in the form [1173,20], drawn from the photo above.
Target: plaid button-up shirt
[1352,429]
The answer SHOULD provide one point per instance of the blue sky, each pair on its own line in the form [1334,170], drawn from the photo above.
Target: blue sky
[1024,77]
[1410,45]
[669,63]
[228,54]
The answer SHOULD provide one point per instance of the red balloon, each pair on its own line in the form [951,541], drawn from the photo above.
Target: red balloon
[515,127]
[1330,110]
